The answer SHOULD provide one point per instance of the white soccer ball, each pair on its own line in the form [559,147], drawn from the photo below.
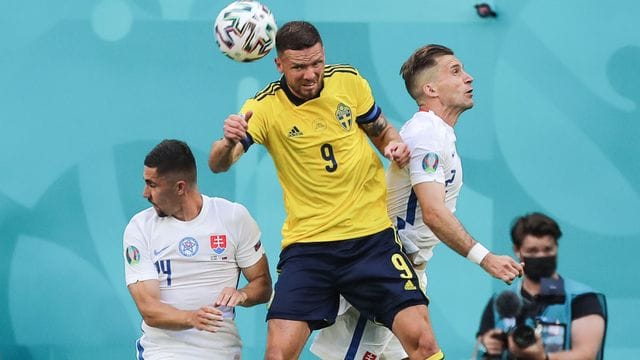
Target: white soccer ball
[245,30]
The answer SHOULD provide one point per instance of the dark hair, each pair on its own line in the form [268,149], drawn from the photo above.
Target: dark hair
[172,157]
[422,59]
[535,224]
[296,35]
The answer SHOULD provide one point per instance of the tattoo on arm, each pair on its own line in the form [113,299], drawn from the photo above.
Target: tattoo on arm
[375,128]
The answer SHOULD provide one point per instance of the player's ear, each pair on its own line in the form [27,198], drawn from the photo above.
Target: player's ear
[278,64]
[181,187]
[429,90]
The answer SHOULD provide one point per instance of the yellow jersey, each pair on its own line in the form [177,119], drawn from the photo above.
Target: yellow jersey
[333,182]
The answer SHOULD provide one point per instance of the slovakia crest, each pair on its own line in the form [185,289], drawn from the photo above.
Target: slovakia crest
[344,116]
[218,243]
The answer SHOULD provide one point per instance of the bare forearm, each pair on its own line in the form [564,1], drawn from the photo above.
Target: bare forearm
[165,316]
[381,133]
[389,135]
[222,155]
[258,291]
[448,229]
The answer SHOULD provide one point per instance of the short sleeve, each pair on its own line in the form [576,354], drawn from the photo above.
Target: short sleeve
[427,149]
[586,304]
[249,247]
[257,126]
[368,111]
[137,256]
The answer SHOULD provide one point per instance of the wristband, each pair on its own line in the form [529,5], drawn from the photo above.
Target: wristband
[477,253]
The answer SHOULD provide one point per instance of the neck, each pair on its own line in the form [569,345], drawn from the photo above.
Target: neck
[191,207]
[533,287]
[530,286]
[448,115]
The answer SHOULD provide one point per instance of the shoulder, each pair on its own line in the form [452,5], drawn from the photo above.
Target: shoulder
[224,208]
[143,217]
[424,126]
[268,91]
[340,71]
[343,76]
[576,287]
[219,203]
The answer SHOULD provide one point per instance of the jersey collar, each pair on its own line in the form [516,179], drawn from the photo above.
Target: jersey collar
[291,96]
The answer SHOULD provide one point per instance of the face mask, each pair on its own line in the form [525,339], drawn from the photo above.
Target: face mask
[539,267]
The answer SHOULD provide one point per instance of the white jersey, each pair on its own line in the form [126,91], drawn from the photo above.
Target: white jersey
[193,261]
[432,143]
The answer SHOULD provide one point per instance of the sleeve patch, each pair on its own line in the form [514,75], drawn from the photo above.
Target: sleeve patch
[430,162]
[132,254]
[257,246]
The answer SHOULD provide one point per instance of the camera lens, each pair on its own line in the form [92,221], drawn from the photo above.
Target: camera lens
[523,335]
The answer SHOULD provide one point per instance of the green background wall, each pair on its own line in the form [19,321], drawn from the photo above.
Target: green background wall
[88,87]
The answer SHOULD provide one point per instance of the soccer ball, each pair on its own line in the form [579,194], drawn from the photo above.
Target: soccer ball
[245,30]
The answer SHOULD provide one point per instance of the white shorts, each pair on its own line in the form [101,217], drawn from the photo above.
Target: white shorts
[192,344]
[344,340]
[352,338]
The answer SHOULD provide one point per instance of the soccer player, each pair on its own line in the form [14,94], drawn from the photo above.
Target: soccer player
[337,238]
[183,257]
[421,197]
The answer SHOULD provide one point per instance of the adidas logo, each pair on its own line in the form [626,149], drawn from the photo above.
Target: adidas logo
[409,285]
[295,132]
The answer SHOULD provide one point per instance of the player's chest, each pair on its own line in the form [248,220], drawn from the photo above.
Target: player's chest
[200,245]
[329,120]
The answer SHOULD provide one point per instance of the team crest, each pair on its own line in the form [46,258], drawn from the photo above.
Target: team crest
[188,247]
[369,356]
[343,115]
[430,162]
[218,243]
[132,254]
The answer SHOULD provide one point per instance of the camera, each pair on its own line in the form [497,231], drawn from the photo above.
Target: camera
[521,317]
[523,335]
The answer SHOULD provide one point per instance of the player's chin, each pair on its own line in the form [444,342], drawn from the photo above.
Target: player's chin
[309,91]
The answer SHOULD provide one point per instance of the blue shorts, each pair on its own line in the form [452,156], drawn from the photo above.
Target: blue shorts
[371,272]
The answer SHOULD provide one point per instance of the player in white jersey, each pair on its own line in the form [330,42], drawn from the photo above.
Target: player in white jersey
[421,198]
[183,259]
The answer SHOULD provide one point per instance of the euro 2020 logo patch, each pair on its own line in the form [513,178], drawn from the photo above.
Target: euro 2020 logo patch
[132,254]
[430,162]
[188,247]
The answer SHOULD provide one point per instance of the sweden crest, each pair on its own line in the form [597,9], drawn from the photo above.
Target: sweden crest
[343,115]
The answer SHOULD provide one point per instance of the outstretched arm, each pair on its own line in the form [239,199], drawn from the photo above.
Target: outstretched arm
[448,229]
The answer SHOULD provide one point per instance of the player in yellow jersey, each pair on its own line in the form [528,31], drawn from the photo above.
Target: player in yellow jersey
[337,239]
